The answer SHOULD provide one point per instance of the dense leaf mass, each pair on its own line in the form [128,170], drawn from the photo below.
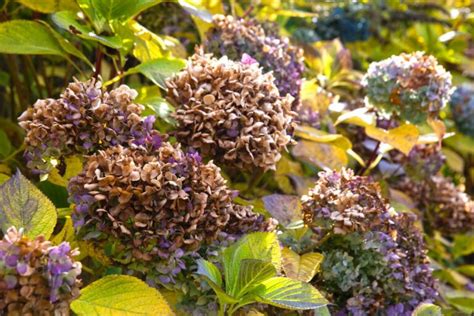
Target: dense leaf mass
[155,206]
[84,119]
[375,259]
[414,86]
[234,37]
[36,278]
[231,112]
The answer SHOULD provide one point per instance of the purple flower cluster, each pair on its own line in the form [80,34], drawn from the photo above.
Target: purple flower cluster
[36,277]
[83,120]
[375,260]
[414,86]
[234,37]
[462,109]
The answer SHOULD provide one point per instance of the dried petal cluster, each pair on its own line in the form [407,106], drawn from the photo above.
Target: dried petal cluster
[462,109]
[36,278]
[414,86]
[445,207]
[423,161]
[342,203]
[84,119]
[231,112]
[234,37]
[154,207]
[375,261]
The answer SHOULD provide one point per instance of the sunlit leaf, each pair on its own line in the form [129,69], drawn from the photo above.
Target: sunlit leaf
[120,295]
[402,138]
[300,267]
[463,300]
[315,135]
[28,37]
[66,233]
[358,117]
[251,273]
[289,294]
[426,309]
[453,160]
[49,6]
[209,270]
[158,70]
[24,206]
[463,245]
[320,154]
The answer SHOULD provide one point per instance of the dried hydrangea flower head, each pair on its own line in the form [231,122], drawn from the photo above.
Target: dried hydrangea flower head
[235,37]
[231,112]
[154,205]
[82,120]
[414,86]
[370,267]
[423,161]
[462,109]
[342,202]
[445,207]
[36,278]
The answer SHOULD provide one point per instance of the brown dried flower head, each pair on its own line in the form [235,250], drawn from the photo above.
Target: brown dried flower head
[231,112]
[445,207]
[154,205]
[342,202]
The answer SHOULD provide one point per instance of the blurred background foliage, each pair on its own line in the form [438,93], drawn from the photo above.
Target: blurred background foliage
[45,44]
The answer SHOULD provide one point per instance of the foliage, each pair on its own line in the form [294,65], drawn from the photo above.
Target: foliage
[197,184]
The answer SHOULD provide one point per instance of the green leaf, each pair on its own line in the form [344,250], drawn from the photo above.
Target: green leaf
[28,37]
[24,206]
[463,245]
[261,246]
[120,10]
[49,6]
[290,294]
[315,135]
[209,270]
[158,70]
[5,145]
[426,309]
[358,117]
[4,178]
[252,272]
[212,275]
[301,268]
[66,233]
[68,20]
[463,300]
[120,295]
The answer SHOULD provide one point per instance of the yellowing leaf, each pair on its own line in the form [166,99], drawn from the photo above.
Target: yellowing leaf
[24,206]
[438,127]
[301,268]
[321,155]
[358,117]
[284,208]
[453,160]
[66,233]
[315,135]
[402,138]
[56,178]
[50,6]
[120,295]
[286,168]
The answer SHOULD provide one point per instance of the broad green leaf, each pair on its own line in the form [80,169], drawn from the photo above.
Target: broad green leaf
[453,160]
[158,70]
[284,208]
[120,10]
[315,135]
[289,294]
[120,295]
[68,21]
[201,12]
[462,143]
[49,6]
[28,37]
[358,117]
[209,270]
[148,45]
[321,155]
[300,268]
[261,246]
[252,272]
[212,275]
[402,138]
[426,309]
[467,269]
[463,300]
[24,206]
[463,245]
[5,145]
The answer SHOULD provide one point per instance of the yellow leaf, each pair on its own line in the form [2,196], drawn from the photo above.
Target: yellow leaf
[453,160]
[66,233]
[73,167]
[301,268]
[321,155]
[358,117]
[402,138]
[284,168]
[315,135]
[56,178]
[438,127]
